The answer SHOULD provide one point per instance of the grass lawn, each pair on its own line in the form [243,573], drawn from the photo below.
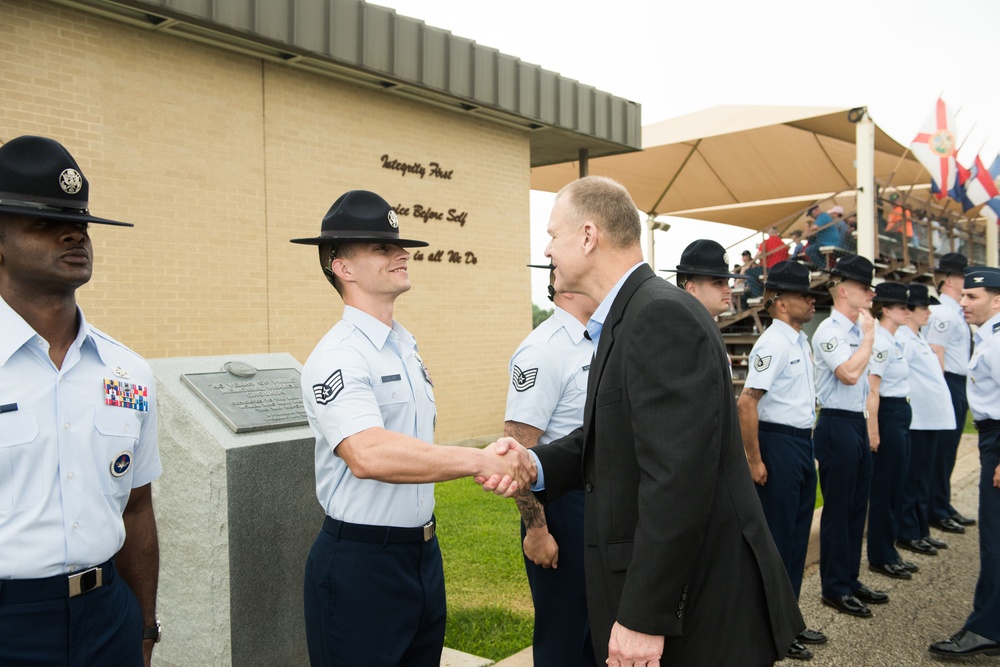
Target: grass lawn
[489,604]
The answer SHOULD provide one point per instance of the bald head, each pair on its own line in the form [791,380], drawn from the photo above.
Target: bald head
[607,204]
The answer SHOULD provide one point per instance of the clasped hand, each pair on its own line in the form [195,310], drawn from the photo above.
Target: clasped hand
[507,468]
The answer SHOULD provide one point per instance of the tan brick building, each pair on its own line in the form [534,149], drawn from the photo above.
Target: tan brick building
[223,146]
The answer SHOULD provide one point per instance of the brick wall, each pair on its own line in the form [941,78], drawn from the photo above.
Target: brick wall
[220,158]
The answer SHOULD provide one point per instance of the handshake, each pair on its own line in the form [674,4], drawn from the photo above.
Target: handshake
[506,468]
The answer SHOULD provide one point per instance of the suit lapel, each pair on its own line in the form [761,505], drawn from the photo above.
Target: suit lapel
[607,340]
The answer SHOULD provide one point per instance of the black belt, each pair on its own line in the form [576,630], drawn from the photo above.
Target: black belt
[847,414]
[987,424]
[357,532]
[770,427]
[894,400]
[21,591]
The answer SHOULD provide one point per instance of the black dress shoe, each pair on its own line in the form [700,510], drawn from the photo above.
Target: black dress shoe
[964,643]
[936,543]
[962,520]
[798,652]
[808,636]
[866,594]
[948,526]
[890,570]
[848,604]
[917,547]
[907,565]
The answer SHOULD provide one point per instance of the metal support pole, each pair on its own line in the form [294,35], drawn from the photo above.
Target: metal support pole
[584,162]
[867,227]
[991,244]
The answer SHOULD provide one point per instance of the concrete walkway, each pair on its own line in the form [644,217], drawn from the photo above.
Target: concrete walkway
[930,607]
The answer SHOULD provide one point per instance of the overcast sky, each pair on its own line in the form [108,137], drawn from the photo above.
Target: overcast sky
[893,56]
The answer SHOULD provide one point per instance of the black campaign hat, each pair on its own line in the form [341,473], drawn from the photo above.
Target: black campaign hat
[359,216]
[921,296]
[982,276]
[789,276]
[952,262]
[856,268]
[705,257]
[891,293]
[40,179]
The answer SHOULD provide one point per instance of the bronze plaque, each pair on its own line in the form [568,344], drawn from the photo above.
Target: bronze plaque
[248,399]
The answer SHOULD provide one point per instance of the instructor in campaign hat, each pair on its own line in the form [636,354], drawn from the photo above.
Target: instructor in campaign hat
[777,409]
[842,348]
[374,584]
[79,556]
[704,274]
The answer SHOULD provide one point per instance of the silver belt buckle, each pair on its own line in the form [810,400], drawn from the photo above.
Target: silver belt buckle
[86,581]
[429,530]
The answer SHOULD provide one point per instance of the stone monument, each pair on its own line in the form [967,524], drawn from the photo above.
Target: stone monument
[236,510]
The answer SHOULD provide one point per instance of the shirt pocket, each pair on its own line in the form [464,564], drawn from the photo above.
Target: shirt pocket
[22,484]
[392,398]
[797,367]
[116,432]
[581,378]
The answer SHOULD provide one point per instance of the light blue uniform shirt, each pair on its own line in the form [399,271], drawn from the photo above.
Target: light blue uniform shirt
[835,340]
[361,375]
[74,442]
[549,372]
[947,327]
[781,364]
[927,385]
[983,384]
[889,364]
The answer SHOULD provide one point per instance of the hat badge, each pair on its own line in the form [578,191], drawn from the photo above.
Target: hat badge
[725,258]
[393,219]
[70,181]
[977,279]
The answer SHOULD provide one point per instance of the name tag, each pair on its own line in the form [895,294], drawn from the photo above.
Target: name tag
[794,361]
[391,378]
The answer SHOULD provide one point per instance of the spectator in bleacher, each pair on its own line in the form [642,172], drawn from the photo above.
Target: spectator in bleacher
[748,262]
[798,252]
[773,249]
[823,232]
[849,242]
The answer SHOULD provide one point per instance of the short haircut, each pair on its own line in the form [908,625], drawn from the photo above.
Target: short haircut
[995,291]
[795,233]
[327,253]
[608,204]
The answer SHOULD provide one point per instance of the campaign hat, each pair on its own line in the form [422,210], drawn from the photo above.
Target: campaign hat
[360,216]
[790,276]
[952,262]
[856,268]
[889,292]
[982,276]
[705,257]
[920,295]
[40,179]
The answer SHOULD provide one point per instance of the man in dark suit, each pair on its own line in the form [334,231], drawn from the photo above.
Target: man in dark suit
[679,560]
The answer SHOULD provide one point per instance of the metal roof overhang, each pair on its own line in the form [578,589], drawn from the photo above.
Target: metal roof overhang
[374,46]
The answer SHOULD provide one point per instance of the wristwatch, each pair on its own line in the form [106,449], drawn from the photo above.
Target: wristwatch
[154,632]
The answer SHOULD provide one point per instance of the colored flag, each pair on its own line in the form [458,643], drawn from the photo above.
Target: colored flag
[992,209]
[980,187]
[934,146]
[957,191]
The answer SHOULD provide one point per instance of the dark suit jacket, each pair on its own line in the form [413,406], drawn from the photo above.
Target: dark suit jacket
[677,543]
